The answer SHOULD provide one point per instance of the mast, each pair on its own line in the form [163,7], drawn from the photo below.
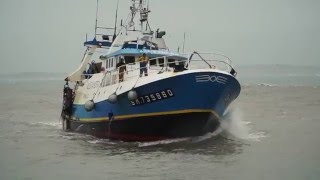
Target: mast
[96,25]
[142,19]
[139,6]
[115,22]
[184,41]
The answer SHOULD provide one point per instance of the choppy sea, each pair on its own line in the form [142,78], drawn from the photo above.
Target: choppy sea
[270,132]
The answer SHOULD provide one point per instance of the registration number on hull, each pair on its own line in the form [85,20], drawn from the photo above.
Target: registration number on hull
[153,97]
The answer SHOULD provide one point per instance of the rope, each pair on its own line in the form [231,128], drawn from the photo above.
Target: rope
[136,82]
[100,85]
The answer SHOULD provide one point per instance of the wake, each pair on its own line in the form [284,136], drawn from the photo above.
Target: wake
[234,125]
[57,125]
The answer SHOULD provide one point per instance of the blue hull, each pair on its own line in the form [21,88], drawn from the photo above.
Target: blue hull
[190,100]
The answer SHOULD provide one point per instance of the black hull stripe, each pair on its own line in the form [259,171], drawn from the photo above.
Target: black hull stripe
[151,128]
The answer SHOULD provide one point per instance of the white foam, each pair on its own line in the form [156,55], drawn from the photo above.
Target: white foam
[268,85]
[207,136]
[162,142]
[96,141]
[187,139]
[79,127]
[53,124]
[234,124]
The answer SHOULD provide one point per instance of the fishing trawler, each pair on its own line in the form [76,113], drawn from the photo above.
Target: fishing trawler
[131,87]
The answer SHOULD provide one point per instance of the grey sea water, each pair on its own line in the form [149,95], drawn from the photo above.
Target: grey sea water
[270,132]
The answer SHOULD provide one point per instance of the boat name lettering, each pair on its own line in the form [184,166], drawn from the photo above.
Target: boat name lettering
[206,78]
[92,85]
[153,97]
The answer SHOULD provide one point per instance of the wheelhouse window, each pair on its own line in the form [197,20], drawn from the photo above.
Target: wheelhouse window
[107,63]
[140,45]
[171,62]
[129,59]
[153,62]
[161,62]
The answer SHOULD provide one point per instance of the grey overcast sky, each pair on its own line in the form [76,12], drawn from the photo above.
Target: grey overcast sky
[48,35]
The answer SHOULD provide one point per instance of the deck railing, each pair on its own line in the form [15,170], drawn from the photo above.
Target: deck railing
[211,60]
[164,63]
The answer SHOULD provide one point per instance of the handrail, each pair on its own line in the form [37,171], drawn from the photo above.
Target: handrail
[202,59]
[226,62]
[115,72]
[218,54]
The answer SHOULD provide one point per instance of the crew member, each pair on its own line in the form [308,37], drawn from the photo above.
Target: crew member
[122,67]
[143,64]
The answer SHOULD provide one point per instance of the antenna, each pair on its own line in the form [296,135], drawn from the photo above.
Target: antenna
[95,28]
[184,41]
[115,22]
